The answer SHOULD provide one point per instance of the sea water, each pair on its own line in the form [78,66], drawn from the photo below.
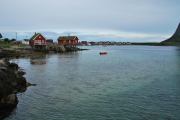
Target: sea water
[129,83]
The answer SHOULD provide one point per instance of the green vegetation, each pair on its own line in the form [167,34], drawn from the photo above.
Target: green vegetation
[10,43]
[4,44]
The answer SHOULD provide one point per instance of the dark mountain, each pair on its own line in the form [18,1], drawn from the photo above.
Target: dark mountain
[1,35]
[175,38]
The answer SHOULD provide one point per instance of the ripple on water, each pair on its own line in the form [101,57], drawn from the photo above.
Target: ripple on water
[130,83]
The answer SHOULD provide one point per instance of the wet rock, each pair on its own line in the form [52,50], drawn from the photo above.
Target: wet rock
[29,84]
[9,101]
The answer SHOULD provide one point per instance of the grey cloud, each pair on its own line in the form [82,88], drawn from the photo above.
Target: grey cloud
[150,16]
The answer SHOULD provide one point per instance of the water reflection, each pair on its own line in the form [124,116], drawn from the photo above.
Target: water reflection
[178,55]
[40,60]
[37,62]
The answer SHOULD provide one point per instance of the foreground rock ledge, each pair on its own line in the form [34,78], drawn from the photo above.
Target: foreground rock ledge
[11,83]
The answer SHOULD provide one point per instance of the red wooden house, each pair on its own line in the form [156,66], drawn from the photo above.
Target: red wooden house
[68,40]
[38,41]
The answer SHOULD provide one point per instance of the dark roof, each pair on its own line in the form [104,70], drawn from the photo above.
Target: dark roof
[26,39]
[49,40]
[67,37]
[34,36]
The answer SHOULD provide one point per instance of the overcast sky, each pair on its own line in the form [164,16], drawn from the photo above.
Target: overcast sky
[128,20]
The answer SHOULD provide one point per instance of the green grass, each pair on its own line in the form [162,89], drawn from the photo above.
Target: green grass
[4,44]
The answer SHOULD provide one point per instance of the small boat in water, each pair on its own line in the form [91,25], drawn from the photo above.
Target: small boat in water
[103,53]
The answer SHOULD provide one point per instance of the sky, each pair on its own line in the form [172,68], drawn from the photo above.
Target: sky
[92,20]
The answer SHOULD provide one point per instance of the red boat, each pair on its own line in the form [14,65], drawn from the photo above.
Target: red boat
[103,53]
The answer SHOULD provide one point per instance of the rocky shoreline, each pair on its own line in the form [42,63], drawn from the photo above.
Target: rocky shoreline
[16,53]
[12,82]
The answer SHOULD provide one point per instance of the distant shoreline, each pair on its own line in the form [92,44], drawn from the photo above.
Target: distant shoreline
[140,43]
[157,44]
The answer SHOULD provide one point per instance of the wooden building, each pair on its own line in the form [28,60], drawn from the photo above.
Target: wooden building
[68,40]
[38,41]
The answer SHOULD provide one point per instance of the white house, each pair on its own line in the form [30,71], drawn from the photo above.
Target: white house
[25,42]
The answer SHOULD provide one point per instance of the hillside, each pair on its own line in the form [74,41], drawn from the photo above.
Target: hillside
[175,38]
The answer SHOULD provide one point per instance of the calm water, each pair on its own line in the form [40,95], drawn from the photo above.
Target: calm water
[130,83]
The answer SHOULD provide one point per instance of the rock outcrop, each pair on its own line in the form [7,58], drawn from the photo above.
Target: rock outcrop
[11,83]
[175,38]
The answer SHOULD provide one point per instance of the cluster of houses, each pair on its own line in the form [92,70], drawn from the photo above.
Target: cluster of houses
[38,41]
[104,43]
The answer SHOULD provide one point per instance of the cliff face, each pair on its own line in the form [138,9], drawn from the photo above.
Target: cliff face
[176,36]
[11,83]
